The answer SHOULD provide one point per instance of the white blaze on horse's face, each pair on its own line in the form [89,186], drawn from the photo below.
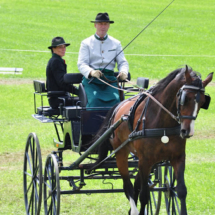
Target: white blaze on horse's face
[193,121]
[134,210]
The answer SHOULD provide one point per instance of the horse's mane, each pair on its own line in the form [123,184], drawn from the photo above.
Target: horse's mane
[161,85]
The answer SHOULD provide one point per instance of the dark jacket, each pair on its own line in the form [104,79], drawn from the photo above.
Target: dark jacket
[55,71]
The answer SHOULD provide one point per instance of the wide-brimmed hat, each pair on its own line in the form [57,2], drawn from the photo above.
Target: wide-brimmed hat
[102,17]
[57,41]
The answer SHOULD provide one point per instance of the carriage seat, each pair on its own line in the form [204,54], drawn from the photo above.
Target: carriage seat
[39,88]
[47,111]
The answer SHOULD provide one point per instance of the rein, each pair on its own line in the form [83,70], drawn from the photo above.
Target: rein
[109,81]
[135,37]
[148,94]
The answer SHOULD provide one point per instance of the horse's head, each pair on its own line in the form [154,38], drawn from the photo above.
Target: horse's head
[190,98]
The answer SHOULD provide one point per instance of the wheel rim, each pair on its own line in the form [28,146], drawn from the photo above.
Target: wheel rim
[171,198]
[51,186]
[32,175]
[155,182]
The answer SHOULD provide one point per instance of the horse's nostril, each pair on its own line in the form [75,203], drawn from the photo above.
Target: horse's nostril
[183,133]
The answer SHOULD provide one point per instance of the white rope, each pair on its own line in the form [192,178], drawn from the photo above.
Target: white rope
[141,55]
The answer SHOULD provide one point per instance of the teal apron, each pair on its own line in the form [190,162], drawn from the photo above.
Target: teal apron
[99,94]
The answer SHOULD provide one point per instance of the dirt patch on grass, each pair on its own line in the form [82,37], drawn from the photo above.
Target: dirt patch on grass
[17,81]
[10,161]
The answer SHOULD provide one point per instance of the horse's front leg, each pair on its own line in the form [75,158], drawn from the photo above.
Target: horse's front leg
[179,169]
[122,164]
[144,188]
[136,188]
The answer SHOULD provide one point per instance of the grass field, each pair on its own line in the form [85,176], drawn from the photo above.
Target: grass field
[183,34]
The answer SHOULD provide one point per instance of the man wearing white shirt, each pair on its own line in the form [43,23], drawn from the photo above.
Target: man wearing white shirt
[98,56]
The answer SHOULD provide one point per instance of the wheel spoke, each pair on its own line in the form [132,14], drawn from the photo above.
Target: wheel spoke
[154,199]
[49,177]
[54,206]
[170,174]
[36,193]
[150,204]
[35,172]
[50,208]
[173,206]
[31,199]
[47,198]
[29,162]
[26,173]
[47,185]
[176,200]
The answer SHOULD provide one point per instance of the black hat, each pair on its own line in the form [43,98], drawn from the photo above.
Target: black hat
[102,17]
[57,41]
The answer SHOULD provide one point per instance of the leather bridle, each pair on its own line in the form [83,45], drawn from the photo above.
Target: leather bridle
[182,93]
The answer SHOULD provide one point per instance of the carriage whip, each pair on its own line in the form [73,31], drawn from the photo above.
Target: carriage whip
[135,37]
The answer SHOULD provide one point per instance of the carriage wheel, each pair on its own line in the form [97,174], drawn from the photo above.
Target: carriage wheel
[154,182]
[32,175]
[51,186]
[171,199]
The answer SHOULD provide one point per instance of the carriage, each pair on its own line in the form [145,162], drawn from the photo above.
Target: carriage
[76,127]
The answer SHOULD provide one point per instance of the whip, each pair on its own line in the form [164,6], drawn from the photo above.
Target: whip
[135,37]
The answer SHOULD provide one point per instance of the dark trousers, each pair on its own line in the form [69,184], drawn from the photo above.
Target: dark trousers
[54,102]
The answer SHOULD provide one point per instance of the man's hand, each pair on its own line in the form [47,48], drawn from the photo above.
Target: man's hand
[96,73]
[122,75]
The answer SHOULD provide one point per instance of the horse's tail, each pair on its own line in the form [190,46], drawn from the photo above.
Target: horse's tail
[105,146]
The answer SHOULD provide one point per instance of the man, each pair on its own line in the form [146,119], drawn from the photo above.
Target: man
[98,56]
[55,71]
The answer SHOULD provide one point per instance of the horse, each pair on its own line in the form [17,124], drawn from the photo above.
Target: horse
[182,94]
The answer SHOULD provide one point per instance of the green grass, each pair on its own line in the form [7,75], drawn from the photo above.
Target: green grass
[183,34]
[184,29]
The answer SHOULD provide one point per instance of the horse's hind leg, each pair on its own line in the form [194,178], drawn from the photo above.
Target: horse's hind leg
[122,164]
[179,168]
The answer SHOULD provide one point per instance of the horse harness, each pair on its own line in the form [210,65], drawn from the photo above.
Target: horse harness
[182,98]
[159,132]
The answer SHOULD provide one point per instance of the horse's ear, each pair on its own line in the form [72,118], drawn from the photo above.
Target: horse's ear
[207,80]
[187,75]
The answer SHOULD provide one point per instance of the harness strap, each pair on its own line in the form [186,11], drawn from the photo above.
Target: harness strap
[133,110]
[155,132]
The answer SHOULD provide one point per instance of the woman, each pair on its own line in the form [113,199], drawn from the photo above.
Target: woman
[55,71]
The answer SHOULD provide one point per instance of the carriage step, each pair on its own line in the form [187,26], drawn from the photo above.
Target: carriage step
[42,118]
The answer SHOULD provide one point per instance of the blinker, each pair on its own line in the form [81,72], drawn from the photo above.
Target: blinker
[183,96]
[207,102]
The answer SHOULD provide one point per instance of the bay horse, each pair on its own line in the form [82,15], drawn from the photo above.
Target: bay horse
[182,94]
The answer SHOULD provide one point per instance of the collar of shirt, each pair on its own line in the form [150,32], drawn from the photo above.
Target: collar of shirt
[55,55]
[99,38]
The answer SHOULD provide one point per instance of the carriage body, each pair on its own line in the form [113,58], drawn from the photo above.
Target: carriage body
[75,125]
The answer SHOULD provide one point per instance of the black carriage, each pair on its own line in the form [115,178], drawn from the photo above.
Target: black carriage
[75,127]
